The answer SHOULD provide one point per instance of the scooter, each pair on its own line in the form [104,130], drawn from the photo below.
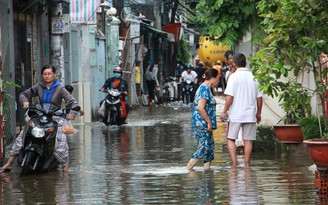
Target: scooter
[116,108]
[187,91]
[170,91]
[40,138]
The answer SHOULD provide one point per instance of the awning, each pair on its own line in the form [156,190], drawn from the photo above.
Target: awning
[170,36]
[154,29]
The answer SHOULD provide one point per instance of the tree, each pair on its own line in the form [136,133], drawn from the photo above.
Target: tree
[296,36]
[228,20]
[183,55]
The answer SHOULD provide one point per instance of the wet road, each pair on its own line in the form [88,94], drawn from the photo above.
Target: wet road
[144,162]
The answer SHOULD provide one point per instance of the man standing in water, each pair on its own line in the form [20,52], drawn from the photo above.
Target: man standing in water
[244,102]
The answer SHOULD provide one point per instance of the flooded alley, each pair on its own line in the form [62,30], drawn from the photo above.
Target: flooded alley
[143,162]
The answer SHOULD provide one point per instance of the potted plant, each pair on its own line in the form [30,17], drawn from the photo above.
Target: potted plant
[287,63]
[290,131]
[318,147]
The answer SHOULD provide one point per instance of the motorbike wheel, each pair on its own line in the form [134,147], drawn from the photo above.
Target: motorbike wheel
[188,99]
[166,95]
[113,118]
[27,165]
[107,118]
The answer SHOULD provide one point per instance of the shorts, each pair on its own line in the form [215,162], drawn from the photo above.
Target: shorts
[249,130]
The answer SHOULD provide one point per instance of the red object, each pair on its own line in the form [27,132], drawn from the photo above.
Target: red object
[321,183]
[2,146]
[124,112]
[326,108]
[318,150]
[291,133]
[174,29]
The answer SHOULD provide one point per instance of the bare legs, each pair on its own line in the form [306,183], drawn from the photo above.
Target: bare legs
[248,147]
[65,168]
[207,166]
[9,163]
[192,162]
[232,152]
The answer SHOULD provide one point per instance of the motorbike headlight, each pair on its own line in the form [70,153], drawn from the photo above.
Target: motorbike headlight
[38,132]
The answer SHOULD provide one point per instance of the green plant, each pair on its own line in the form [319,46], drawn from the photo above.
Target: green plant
[6,96]
[295,37]
[294,109]
[310,127]
[183,55]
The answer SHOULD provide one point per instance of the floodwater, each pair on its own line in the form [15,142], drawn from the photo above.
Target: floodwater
[144,162]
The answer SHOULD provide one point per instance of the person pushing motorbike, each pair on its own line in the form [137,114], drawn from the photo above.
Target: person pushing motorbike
[115,82]
[48,91]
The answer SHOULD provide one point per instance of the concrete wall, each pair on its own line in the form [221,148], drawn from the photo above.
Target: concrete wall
[91,71]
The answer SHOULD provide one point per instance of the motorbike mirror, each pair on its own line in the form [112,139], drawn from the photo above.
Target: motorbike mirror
[77,108]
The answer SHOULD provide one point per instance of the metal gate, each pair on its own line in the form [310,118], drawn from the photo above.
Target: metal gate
[6,105]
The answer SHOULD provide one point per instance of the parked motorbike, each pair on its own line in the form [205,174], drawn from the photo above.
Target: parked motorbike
[170,91]
[187,91]
[40,138]
[116,108]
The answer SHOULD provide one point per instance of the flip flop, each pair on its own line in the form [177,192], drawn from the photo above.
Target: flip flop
[5,170]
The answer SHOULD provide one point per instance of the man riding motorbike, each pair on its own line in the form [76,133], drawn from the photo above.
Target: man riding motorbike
[115,82]
[188,75]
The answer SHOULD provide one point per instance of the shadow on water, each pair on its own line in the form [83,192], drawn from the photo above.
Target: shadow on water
[144,162]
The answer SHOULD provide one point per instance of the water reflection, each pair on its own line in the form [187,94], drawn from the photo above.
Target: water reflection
[144,162]
[242,186]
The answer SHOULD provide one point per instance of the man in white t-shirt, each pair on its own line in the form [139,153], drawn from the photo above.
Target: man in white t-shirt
[244,102]
[189,74]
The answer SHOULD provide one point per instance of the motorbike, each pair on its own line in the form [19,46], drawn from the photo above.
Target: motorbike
[40,138]
[170,91]
[115,107]
[187,91]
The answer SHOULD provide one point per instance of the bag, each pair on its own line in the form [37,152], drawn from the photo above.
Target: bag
[68,128]
[144,99]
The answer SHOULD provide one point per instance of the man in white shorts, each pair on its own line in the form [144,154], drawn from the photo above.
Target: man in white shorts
[244,102]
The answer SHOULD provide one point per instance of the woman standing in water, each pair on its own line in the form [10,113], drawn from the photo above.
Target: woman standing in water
[204,120]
